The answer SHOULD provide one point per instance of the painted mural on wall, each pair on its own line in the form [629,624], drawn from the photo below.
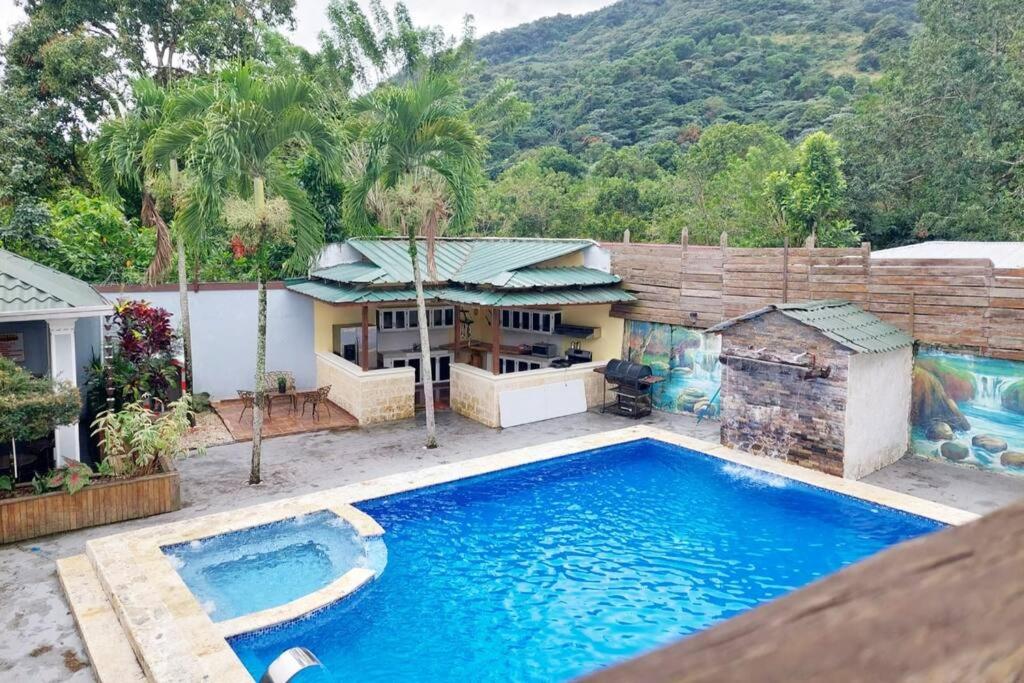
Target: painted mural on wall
[969,409]
[686,357]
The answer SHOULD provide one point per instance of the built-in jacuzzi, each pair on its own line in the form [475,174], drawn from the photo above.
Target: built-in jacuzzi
[261,575]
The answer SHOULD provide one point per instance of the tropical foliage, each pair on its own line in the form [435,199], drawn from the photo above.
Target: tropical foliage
[641,72]
[236,137]
[415,167]
[141,365]
[133,439]
[31,407]
[888,121]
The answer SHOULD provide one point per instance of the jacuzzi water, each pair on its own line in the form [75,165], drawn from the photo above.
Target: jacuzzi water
[552,570]
[265,566]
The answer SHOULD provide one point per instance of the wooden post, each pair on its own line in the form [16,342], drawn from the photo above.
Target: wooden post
[625,236]
[495,341]
[684,239]
[913,313]
[723,240]
[364,340]
[457,335]
[785,270]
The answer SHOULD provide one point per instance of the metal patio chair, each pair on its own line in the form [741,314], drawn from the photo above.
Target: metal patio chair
[317,398]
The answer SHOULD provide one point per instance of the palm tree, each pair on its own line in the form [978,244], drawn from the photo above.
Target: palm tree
[120,163]
[422,161]
[234,136]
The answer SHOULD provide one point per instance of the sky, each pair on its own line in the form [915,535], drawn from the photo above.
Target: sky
[310,15]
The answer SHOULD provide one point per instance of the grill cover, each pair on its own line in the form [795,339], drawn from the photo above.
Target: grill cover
[626,372]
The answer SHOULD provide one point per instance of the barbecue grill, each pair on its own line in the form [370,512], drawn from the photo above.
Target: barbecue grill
[632,384]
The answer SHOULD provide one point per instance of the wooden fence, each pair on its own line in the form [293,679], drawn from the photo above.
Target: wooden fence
[949,302]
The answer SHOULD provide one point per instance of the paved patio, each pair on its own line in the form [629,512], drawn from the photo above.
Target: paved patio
[283,420]
[38,640]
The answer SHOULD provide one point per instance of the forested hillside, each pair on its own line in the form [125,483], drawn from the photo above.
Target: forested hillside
[643,70]
[890,121]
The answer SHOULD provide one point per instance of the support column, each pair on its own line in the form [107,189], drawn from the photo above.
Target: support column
[64,368]
[364,340]
[456,337]
[495,341]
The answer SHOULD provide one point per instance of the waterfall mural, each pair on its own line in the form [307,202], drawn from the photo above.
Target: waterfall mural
[687,357]
[968,409]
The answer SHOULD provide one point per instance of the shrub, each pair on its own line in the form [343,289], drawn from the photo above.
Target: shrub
[31,407]
[134,438]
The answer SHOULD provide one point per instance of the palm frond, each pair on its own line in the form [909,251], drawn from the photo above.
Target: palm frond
[307,226]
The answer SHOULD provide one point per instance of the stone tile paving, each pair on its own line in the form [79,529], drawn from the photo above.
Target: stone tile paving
[38,641]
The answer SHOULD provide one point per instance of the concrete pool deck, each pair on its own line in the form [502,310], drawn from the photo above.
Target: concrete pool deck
[40,642]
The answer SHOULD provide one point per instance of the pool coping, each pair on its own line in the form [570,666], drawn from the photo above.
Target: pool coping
[175,640]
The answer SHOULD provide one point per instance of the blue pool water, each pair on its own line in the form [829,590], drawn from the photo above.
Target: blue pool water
[265,566]
[552,570]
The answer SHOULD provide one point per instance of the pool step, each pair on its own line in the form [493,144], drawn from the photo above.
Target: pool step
[112,657]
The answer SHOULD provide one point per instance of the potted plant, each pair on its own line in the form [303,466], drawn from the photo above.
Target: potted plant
[282,384]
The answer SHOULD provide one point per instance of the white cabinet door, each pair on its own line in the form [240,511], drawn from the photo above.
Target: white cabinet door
[533,404]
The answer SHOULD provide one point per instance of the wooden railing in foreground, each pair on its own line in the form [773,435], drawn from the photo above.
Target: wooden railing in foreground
[949,302]
[945,607]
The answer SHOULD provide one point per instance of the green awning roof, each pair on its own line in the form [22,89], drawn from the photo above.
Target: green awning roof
[567,276]
[544,297]
[469,261]
[360,271]
[29,287]
[345,294]
[841,321]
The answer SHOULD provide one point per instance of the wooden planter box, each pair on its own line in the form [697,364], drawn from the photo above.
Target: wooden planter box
[96,504]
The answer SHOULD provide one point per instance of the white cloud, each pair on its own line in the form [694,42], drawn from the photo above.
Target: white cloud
[310,15]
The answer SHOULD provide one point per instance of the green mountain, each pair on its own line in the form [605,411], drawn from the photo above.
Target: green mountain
[642,71]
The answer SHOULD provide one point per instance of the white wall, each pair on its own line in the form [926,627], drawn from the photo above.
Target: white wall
[224,335]
[877,410]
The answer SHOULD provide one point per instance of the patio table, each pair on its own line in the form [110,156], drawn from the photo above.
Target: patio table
[293,395]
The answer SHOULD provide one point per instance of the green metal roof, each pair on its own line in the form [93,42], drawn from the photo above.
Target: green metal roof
[491,257]
[565,276]
[841,321]
[540,297]
[29,287]
[360,271]
[346,294]
[467,261]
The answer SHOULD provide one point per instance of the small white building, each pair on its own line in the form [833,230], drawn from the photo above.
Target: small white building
[50,324]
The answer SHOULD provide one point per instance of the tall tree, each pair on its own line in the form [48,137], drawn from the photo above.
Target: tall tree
[71,64]
[936,150]
[421,167]
[810,198]
[120,163]
[234,137]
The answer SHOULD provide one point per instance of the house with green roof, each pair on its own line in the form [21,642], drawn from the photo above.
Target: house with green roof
[496,306]
[50,324]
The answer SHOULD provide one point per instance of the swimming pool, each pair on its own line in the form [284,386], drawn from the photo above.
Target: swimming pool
[551,570]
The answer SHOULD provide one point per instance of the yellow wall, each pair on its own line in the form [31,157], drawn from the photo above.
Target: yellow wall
[326,316]
[573,259]
[609,345]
